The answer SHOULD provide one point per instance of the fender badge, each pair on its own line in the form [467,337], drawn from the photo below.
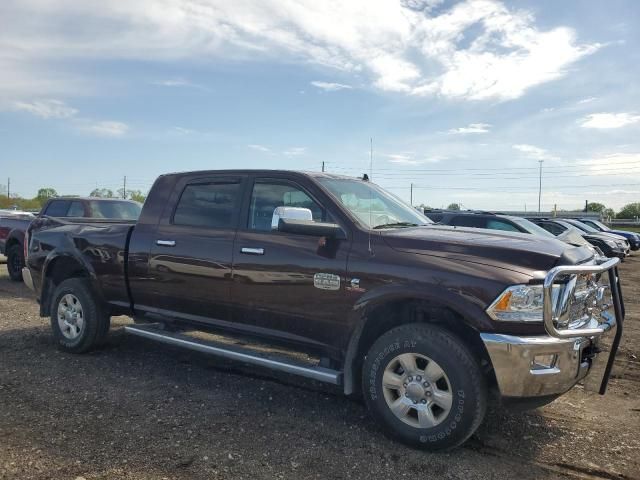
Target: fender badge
[326,281]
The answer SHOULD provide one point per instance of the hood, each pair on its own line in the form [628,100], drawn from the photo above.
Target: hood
[625,234]
[573,237]
[519,252]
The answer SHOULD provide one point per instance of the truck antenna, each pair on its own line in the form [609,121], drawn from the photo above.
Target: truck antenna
[370,192]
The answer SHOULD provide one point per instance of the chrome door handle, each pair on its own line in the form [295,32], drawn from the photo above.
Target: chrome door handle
[166,243]
[252,251]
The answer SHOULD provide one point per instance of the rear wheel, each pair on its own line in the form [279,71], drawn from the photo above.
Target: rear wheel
[15,262]
[424,387]
[78,321]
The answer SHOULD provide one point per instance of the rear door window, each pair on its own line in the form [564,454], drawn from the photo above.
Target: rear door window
[210,205]
[58,208]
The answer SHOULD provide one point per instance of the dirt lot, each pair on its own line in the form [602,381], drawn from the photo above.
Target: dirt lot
[143,411]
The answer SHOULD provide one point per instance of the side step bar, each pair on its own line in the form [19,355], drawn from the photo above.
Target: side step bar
[246,355]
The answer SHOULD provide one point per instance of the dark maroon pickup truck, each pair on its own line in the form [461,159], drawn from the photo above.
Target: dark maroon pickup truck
[13,226]
[334,279]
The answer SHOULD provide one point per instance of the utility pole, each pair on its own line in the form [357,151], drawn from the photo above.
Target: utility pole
[411,197]
[9,187]
[322,167]
[540,188]
[124,188]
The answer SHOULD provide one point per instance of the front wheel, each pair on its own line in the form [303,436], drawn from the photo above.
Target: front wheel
[424,387]
[15,262]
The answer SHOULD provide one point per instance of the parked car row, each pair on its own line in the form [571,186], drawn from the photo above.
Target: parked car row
[13,224]
[575,231]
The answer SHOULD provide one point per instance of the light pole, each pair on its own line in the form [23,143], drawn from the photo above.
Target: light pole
[540,188]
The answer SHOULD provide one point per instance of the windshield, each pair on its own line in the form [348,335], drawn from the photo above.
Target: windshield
[600,225]
[532,227]
[115,209]
[581,226]
[372,206]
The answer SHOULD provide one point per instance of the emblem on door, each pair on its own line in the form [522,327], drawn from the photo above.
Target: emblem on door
[326,281]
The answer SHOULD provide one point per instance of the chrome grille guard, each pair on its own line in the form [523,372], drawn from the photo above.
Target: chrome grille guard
[613,322]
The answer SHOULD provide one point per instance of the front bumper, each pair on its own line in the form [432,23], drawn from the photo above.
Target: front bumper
[552,364]
[521,372]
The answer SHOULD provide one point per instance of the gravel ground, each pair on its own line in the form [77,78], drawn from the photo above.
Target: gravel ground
[137,410]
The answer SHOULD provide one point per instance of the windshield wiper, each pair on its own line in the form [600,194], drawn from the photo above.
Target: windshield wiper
[394,225]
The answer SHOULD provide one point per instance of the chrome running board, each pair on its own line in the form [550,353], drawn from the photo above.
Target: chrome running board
[232,352]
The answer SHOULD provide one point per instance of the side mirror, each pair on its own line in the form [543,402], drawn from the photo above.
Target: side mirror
[300,221]
[289,213]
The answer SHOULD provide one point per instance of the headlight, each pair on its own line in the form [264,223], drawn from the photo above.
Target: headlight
[611,243]
[521,303]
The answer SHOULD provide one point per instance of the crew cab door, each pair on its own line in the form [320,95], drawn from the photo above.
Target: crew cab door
[191,252]
[288,285]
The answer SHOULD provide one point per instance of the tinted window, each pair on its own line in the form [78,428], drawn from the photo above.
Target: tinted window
[436,217]
[553,228]
[114,209]
[469,221]
[495,224]
[76,210]
[209,205]
[58,208]
[267,196]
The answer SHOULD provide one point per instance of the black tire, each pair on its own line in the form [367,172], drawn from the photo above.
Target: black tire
[468,390]
[95,321]
[15,262]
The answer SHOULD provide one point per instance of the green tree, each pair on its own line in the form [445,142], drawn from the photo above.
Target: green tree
[453,206]
[101,193]
[45,194]
[630,210]
[609,213]
[136,196]
[596,207]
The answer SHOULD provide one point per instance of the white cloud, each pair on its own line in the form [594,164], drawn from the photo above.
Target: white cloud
[609,120]
[295,151]
[475,49]
[409,158]
[330,86]
[472,128]
[46,108]
[586,100]
[104,128]
[532,151]
[260,148]
[178,83]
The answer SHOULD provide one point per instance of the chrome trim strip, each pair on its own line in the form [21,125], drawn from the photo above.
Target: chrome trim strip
[316,373]
[547,309]
[252,251]
[166,243]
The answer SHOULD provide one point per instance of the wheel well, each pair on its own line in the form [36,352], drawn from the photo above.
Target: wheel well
[59,269]
[11,243]
[400,312]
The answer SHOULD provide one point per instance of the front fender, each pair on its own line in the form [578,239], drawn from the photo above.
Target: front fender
[470,309]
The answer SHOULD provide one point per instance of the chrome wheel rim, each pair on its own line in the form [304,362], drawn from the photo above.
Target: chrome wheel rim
[417,390]
[70,316]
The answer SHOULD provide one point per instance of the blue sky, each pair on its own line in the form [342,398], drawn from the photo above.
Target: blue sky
[462,99]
